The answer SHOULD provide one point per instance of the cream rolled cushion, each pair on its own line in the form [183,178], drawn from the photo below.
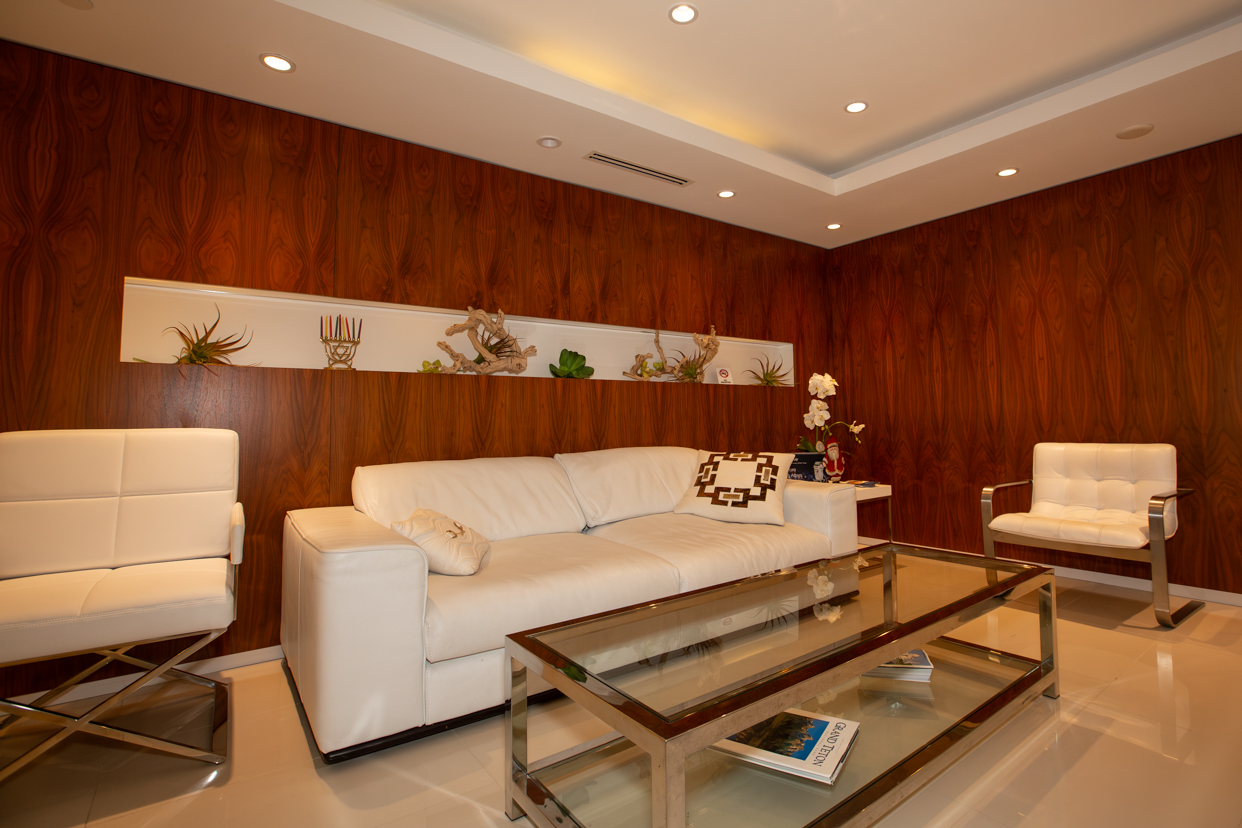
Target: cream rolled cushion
[738,487]
[451,548]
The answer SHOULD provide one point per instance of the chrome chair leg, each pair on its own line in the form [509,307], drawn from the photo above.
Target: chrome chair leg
[86,722]
[56,692]
[1160,603]
[1159,563]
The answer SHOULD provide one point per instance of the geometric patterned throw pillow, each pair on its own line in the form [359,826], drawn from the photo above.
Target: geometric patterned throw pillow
[738,487]
[451,549]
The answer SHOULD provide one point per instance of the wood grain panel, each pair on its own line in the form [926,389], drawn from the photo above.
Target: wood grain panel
[423,227]
[916,355]
[227,192]
[1102,310]
[106,174]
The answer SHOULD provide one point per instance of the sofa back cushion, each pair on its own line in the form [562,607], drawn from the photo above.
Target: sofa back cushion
[499,497]
[107,498]
[616,484]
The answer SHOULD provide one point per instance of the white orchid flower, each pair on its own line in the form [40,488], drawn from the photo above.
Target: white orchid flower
[809,419]
[856,427]
[859,563]
[818,405]
[820,418]
[826,612]
[821,585]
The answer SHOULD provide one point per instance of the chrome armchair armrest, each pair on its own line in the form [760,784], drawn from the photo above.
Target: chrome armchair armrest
[1156,506]
[988,491]
[985,503]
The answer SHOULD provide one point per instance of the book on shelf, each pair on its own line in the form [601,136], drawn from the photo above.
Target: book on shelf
[808,744]
[911,666]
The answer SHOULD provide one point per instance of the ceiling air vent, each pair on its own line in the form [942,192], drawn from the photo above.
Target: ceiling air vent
[638,168]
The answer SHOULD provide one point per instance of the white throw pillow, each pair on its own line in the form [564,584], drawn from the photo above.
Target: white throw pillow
[452,549]
[738,487]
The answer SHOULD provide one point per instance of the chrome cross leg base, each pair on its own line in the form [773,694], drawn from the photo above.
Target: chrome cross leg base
[11,711]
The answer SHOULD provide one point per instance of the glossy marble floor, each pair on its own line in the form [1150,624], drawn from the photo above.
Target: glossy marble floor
[1147,732]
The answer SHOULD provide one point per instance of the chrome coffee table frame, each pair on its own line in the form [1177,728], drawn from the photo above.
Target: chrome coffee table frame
[670,743]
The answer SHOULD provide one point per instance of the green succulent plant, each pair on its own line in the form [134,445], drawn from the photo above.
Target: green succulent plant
[769,375]
[430,367]
[573,366]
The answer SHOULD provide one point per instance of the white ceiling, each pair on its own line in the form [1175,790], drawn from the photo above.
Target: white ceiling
[740,99]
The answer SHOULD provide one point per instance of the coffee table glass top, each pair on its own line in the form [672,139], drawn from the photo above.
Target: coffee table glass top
[674,658]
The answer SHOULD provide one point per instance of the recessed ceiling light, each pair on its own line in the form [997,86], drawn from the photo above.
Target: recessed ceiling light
[856,106]
[1136,131]
[548,142]
[834,227]
[1008,172]
[683,13]
[280,64]
[725,194]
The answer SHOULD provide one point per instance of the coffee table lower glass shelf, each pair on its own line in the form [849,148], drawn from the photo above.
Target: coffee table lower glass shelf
[909,730]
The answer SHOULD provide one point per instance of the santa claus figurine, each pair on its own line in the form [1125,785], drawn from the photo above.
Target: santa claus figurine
[834,463]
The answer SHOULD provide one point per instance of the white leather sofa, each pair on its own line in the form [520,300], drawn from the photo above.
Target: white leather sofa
[380,649]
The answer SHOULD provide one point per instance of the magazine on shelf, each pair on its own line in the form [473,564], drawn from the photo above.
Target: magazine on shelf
[911,666]
[797,741]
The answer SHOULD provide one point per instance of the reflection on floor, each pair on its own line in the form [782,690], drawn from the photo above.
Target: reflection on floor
[1147,731]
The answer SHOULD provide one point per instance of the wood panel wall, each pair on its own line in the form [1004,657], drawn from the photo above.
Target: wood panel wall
[105,174]
[1105,310]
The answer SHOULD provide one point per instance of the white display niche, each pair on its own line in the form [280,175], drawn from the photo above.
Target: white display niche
[285,328]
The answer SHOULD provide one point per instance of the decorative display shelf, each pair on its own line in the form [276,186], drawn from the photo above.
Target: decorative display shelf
[283,329]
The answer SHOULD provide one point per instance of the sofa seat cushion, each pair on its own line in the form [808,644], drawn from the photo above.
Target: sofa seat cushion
[1103,528]
[537,580]
[707,552]
[66,612]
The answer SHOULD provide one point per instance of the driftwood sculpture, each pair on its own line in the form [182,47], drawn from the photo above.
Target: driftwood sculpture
[497,348]
[687,369]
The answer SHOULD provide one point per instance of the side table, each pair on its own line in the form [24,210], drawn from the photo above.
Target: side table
[879,493]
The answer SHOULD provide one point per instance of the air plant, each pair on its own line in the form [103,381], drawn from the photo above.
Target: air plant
[769,375]
[690,369]
[201,349]
[501,345]
[573,366]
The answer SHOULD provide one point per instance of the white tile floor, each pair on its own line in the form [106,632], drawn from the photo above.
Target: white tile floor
[1147,732]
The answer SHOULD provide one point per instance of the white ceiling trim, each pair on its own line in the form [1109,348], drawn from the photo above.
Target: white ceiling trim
[1173,59]
[393,24]
[399,27]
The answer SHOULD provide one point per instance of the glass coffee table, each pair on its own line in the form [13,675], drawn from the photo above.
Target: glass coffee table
[675,676]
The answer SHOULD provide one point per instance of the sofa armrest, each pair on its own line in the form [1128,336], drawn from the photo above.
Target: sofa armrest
[354,595]
[828,508]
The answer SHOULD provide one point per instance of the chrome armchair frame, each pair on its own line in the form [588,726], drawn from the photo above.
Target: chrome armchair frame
[12,711]
[1154,552]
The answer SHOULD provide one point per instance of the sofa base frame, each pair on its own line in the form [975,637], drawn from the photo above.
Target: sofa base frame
[423,731]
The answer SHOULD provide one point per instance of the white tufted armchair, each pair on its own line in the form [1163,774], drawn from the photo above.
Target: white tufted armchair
[115,538]
[1118,500]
